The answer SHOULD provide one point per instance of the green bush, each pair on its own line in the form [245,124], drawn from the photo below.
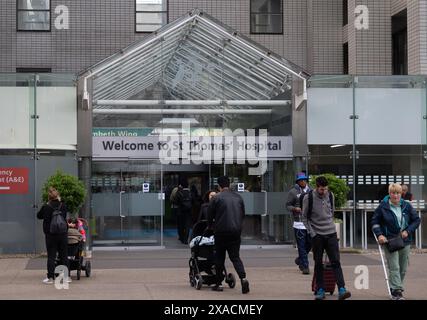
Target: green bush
[338,187]
[72,190]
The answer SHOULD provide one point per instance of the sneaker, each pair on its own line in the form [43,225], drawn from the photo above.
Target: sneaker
[320,294]
[297,261]
[218,288]
[48,281]
[397,295]
[343,294]
[69,280]
[305,271]
[245,286]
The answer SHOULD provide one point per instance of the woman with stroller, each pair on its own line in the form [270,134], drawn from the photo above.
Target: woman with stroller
[55,242]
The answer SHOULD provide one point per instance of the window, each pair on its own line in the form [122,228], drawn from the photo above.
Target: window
[33,15]
[33,70]
[150,15]
[400,43]
[345,12]
[345,58]
[266,16]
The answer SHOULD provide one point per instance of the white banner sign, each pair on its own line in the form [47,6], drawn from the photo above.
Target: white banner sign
[191,148]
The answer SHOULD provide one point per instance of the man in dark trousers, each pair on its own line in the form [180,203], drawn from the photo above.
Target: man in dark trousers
[293,204]
[320,224]
[225,215]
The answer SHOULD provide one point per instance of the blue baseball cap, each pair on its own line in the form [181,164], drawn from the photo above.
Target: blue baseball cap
[301,176]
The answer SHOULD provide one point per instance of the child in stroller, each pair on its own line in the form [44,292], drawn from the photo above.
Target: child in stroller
[202,261]
[76,241]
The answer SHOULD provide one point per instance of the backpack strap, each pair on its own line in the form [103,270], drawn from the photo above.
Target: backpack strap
[310,204]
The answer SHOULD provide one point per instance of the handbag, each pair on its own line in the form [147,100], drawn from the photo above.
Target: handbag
[395,244]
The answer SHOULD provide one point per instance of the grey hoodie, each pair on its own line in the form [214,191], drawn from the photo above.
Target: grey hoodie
[322,218]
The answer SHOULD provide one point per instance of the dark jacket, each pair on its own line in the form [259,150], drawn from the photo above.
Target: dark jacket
[294,201]
[384,221]
[226,212]
[46,211]
[203,215]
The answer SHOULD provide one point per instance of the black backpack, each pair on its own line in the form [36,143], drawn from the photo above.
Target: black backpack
[185,201]
[58,225]
[310,202]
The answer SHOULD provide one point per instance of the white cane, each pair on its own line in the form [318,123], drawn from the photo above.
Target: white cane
[383,262]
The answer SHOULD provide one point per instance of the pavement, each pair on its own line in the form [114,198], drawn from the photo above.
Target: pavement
[162,274]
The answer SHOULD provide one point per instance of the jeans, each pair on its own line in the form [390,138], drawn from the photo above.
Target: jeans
[328,243]
[303,240]
[230,244]
[397,263]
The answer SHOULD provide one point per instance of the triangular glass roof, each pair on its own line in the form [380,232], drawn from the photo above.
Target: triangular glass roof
[195,57]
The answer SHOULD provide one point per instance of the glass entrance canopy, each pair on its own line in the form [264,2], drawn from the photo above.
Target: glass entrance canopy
[196,58]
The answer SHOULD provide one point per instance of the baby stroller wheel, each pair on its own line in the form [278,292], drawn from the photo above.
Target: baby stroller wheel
[198,281]
[192,282]
[231,280]
[88,268]
[79,271]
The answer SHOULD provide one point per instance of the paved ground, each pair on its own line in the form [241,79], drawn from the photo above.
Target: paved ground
[163,275]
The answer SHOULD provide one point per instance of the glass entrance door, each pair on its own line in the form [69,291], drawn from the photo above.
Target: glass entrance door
[127,202]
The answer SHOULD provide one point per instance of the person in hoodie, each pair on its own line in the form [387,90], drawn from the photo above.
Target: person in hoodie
[392,217]
[294,205]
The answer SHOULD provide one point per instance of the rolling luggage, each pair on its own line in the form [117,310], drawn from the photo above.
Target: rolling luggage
[329,279]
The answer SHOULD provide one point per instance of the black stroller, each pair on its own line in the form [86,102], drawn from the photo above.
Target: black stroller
[75,255]
[76,261]
[202,262]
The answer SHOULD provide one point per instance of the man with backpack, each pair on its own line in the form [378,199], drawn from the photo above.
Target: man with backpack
[294,205]
[185,205]
[318,218]
[55,228]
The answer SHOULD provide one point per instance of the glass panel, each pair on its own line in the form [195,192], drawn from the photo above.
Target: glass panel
[56,108]
[267,6]
[149,22]
[389,141]
[34,4]
[33,20]
[151,5]
[17,216]
[16,124]
[266,23]
[330,137]
[127,203]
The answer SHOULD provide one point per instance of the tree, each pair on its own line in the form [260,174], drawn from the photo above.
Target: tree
[72,190]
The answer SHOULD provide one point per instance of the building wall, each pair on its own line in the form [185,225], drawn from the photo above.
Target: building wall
[417,37]
[370,51]
[312,38]
[326,41]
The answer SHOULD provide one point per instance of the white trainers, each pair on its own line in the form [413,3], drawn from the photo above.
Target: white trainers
[69,280]
[48,281]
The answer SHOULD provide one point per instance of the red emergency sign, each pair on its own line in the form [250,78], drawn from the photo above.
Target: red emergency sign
[13,180]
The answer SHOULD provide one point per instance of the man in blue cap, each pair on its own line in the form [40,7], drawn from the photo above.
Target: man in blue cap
[294,205]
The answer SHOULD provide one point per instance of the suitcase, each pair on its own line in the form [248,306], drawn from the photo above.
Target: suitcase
[329,279]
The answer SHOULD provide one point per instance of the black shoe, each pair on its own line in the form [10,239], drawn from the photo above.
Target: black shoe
[245,286]
[297,261]
[397,295]
[218,288]
[305,271]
